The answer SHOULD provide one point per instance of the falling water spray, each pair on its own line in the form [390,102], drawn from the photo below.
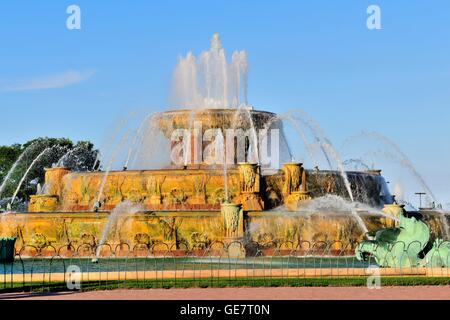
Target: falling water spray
[109,167]
[135,139]
[209,80]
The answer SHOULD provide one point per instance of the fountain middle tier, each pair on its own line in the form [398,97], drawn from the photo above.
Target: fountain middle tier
[202,189]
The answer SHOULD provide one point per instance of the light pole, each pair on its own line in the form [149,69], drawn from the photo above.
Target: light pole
[420,194]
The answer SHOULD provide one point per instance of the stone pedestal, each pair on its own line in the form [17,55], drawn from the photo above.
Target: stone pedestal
[294,185]
[49,201]
[233,220]
[249,187]
[233,227]
[53,180]
[154,186]
[294,200]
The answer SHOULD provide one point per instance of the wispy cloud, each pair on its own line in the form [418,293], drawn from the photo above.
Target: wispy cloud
[54,81]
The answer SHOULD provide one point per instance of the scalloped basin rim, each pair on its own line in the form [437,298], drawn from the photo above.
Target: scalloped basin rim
[229,110]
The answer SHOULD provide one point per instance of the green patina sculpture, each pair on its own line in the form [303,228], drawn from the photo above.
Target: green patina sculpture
[404,246]
[439,255]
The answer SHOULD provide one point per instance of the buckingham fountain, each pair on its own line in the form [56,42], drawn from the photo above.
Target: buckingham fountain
[229,177]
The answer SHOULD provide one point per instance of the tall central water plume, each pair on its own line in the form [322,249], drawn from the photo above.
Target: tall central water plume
[209,80]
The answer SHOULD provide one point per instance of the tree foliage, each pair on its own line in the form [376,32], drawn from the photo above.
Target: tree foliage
[47,153]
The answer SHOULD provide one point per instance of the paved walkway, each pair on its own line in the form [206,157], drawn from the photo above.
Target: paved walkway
[317,293]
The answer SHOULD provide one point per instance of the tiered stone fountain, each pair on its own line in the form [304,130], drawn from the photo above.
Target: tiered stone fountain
[187,204]
[198,203]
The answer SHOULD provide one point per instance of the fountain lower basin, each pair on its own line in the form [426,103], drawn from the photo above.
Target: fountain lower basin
[185,230]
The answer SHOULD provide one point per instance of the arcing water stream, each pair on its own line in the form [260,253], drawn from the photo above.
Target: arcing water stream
[399,156]
[28,171]
[14,166]
[328,150]
[60,162]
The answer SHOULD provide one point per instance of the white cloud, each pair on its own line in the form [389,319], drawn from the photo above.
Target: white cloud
[54,81]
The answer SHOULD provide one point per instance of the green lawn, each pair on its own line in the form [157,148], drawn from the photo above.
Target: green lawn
[223,283]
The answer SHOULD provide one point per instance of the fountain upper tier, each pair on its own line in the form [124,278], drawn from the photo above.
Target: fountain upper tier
[213,136]
[245,119]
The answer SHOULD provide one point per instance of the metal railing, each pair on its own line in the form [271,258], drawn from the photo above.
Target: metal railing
[106,266]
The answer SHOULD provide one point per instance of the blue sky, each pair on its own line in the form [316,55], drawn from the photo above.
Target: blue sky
[315,55]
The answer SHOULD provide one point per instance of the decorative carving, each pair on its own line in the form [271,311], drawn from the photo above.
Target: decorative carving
[330,185]
[293,173]
[200,240]
[170,228]
[134,195]
[200,183]
[62,233]
[177,196]
[142,238]
[218,196]
[233,220]
[249,185]
[394,210]
[114,187]
[88,239]
[43,203]
[154,189]
[87,191]
[40,240]
[132,189]
[267,240]
[72,198]
[294,187]
[249,178]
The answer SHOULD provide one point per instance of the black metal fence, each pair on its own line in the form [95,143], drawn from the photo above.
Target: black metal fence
[90,266]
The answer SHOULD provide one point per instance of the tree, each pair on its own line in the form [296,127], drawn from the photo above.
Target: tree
[46,153]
